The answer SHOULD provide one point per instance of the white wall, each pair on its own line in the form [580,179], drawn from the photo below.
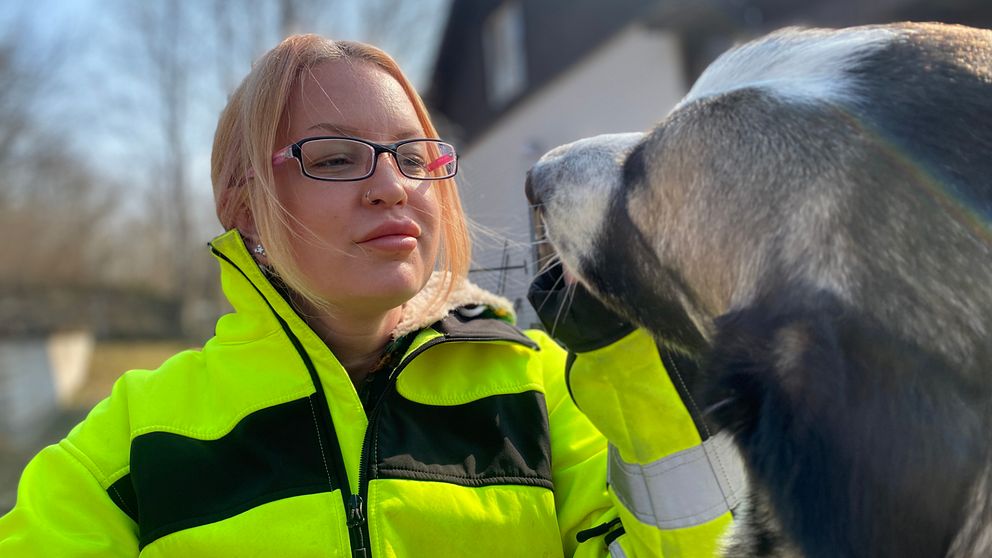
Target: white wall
[38,378]
[28,401]
[69,354]
[628,84]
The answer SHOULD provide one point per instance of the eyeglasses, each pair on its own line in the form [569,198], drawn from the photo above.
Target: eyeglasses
[342,158]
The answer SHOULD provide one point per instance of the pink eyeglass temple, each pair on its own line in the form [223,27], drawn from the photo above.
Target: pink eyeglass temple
[278,158]
[440,162]
[283,155]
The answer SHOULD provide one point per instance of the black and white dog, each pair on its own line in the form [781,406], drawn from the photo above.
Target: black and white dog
[812,223]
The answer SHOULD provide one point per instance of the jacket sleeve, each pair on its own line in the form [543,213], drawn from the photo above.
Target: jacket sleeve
[672,481]
[578,457]
[64,503]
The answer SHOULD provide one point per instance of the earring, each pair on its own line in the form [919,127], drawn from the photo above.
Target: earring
[259,251]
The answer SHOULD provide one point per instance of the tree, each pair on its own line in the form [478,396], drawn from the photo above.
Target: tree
[166,79]
[53,203]
[165,56]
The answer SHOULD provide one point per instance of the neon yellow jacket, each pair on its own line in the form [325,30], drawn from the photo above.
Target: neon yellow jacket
[673,481]
[258,445]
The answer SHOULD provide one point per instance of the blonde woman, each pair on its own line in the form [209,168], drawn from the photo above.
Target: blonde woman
[363,399]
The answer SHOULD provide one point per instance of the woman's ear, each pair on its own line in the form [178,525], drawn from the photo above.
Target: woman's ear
[245,224]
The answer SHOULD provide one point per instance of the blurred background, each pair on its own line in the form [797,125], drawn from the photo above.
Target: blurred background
[107,113]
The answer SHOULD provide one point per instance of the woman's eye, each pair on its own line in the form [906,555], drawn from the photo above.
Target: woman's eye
[334,161]
[411,161]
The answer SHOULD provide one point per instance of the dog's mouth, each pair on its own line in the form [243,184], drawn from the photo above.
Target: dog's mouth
[552,253]
[538,207]
[568,276]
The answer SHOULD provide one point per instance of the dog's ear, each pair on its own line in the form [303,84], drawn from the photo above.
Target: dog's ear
[843,425]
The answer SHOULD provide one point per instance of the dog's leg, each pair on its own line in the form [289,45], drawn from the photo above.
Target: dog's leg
[757,533]
[975,537]
[864,444]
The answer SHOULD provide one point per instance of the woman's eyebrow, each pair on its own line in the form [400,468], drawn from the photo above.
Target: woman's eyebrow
[348,131]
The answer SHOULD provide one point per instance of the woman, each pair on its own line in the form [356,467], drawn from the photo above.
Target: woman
[364,398]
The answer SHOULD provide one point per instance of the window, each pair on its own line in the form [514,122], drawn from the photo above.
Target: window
[505,57]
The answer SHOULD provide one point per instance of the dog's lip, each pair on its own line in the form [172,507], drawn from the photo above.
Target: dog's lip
[568,276]
[404,227]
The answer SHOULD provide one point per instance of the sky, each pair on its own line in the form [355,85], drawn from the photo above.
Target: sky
[100,101]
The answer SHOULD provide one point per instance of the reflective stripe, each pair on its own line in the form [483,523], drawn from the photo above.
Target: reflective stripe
[616,551]
[684,489]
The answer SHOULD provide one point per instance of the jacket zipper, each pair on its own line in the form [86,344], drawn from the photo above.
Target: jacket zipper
[354,504]
[359,500]
[358,526]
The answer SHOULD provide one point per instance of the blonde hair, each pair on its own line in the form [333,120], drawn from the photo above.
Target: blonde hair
[241,161]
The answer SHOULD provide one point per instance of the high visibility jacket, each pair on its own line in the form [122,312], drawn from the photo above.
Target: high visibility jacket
[258,445]
[675,483]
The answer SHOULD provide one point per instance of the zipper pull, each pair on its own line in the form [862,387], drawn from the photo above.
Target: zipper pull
[356,516]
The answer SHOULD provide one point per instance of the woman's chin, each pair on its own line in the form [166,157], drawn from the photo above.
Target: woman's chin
[383,293]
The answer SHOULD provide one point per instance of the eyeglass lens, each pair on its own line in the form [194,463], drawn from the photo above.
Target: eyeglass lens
[343,159]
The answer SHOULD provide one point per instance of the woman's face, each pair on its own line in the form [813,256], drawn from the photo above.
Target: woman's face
[366,246]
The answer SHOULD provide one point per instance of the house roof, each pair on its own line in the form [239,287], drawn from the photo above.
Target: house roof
[457,84]
[561,33]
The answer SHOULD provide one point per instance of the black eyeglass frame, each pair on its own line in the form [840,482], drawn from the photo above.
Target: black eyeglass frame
[295,151]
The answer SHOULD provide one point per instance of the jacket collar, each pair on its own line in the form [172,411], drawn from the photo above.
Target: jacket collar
[243,282]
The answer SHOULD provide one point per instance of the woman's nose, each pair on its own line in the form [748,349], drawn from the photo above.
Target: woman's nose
[387,185]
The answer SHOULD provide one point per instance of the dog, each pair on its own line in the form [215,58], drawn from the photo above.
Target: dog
[811,224]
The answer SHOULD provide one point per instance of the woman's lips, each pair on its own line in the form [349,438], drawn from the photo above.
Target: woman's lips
[391,243]
[393,236]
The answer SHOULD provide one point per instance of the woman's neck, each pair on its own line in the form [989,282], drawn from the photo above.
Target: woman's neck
[356,340]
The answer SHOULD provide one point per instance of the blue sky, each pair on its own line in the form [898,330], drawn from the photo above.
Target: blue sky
[101,103]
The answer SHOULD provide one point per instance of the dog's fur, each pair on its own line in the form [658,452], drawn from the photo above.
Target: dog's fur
[812,223]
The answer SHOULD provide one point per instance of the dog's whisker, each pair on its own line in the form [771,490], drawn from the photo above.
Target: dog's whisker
[564,307]
[708,411]
[550,292]
[553,261]
[570,294]
[561,311]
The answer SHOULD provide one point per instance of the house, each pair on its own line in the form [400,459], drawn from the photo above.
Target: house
[49,336]
[515,78]
[39,374]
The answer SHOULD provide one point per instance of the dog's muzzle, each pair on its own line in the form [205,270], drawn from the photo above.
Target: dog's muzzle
[532,192]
